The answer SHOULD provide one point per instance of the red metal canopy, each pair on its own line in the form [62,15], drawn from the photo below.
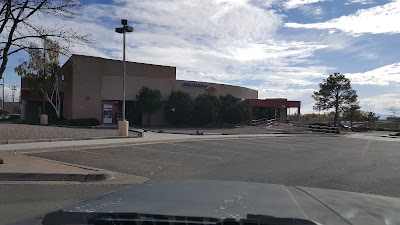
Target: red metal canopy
[274,103]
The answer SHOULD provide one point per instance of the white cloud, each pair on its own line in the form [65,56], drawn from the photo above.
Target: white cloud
[298,76]
[383,76]
[374,20]
[364,2]
[380,103]
[314,11]
[291,4]
[215,19]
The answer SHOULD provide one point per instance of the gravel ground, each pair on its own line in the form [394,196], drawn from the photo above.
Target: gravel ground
[33,132]
[231,130]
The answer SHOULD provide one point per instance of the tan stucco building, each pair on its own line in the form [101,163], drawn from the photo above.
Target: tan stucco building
[92,87]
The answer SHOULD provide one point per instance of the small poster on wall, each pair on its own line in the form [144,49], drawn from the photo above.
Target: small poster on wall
[107,113]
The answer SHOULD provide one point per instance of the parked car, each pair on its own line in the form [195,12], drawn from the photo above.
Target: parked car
[344,127]
[359,128]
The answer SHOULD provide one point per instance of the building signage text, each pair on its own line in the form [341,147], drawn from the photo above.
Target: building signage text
[194,84]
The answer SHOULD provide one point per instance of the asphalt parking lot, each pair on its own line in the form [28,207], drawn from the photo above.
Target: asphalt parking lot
[324,161]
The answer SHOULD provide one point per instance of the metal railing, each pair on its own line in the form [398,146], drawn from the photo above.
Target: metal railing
[321,129]
[263,121]
[294,126]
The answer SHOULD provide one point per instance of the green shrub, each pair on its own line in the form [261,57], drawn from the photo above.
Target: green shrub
[19,121]
[179,108]
[149,101]
[246,112]
[230,109]
[3,111]
[14,117]
[206,109]
[77,122]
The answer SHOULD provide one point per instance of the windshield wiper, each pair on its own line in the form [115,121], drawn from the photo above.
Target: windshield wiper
[62,217]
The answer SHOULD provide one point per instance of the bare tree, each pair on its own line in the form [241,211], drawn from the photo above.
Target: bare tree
[17,31]
[393,111]
[42,71]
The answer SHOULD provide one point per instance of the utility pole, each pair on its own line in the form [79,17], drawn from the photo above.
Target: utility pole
[44,72]
[2,99]
[13,89]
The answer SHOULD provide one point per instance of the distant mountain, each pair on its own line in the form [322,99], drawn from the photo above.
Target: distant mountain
[382,116]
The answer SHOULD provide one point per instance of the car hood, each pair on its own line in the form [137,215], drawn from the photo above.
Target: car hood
[227,199]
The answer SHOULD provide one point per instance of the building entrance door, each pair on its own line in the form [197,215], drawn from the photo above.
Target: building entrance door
[108,112]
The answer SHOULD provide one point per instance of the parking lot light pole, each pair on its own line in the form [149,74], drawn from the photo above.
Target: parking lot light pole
[2,98]
[124,124]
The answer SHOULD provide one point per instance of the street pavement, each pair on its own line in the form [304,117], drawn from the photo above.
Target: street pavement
[22,201]
[332,162]
[324,161]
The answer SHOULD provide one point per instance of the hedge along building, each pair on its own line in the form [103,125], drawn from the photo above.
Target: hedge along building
[92,88]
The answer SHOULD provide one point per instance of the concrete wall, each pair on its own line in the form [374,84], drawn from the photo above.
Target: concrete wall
[111,88]
[86,98]
[92,80]
[68,89]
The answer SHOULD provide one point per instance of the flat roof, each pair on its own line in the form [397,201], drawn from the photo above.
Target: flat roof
[97,57]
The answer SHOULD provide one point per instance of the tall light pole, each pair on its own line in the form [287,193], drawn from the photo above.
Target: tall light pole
[2,99]
[124,124]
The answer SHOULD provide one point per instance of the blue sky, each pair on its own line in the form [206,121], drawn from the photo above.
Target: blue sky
[281,48]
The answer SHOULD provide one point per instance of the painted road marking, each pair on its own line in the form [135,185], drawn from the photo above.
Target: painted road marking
[181,153]
[125,156]
[219,150]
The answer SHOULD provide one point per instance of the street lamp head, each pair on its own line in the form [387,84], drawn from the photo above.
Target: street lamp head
[124,22]
[128,29]
[119,30]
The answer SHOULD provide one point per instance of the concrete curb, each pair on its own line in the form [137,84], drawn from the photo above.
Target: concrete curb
[65,139]
[54,177]
[390,136]
[210,134]
[90,174]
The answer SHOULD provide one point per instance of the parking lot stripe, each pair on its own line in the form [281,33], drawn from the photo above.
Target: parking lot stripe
[210,142]
[263,145]
[312,144]
[218,150]
[181,153]
[125,156]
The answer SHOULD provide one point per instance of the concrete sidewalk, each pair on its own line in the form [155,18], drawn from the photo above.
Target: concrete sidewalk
[148,137]
[18,167]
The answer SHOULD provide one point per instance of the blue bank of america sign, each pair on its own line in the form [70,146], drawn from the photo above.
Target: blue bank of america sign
[194,84]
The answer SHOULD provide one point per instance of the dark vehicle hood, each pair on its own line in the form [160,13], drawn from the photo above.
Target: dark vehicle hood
[225,199]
